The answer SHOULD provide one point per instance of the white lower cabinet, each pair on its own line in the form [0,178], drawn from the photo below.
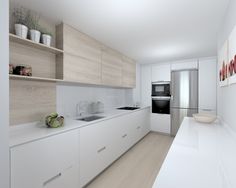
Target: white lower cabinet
[47,163]
[72,159]
[160,123]
[102,143]
[96,150]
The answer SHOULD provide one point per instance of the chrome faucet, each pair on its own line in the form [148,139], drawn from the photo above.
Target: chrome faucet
[81,108]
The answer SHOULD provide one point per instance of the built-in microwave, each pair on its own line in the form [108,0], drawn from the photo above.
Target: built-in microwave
[160,89]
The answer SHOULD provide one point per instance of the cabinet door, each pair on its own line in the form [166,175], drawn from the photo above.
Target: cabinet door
[51,162]
[123,134]
[184,65]
[128,73]
[111,68]
[141,125]
[160,123]
[146,83]
[160,73]
[96,149]
[145,116]
[81,70]
[80,44]
[207,85]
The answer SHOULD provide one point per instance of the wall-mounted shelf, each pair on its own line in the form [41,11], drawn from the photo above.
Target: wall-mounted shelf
[32,78]
[30,43]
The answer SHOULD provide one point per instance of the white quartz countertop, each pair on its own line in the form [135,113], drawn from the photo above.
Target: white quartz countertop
[22,134]
[201,156]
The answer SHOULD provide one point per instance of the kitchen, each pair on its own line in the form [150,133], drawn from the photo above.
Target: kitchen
[82,107]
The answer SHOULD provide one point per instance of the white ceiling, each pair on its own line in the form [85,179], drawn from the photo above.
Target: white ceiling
[149,31]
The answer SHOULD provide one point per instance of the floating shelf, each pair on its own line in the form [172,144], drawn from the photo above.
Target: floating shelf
[30,43]
[32,78]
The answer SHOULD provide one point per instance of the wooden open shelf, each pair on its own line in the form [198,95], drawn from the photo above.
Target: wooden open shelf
[32,78]
[30,43]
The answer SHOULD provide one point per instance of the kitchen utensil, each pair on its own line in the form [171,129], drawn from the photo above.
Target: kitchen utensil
[204,118]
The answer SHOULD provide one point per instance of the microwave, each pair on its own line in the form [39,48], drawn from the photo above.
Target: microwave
[160,89]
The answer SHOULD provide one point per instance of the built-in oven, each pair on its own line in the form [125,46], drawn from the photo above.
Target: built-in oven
[160,89]
[161,105]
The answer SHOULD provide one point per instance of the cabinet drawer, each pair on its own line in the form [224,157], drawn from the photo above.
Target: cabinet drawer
[96,150]
[46,162]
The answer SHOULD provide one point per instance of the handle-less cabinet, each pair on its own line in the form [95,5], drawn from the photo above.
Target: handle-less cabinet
[87,61]
[160,73]
[47,163]
[81,61]
[111,68]
[207,85]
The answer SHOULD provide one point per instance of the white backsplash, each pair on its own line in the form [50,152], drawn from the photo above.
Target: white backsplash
[68,96]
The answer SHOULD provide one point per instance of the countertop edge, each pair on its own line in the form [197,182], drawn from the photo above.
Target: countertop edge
[14,142]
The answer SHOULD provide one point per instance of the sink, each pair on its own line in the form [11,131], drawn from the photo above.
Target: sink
[128,108]
[90,118]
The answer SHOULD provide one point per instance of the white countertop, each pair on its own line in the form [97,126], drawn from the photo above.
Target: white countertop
[201,156]
[21,134]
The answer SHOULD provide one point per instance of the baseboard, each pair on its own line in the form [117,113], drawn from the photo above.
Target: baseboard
[165,134]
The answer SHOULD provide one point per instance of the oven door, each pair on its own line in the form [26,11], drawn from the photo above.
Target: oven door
[160,89]
[161,105]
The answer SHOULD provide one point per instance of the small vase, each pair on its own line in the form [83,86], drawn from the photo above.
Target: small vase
[46,39]
[35,35]
[21,30]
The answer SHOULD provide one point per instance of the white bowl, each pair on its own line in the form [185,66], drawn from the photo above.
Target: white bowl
[204,118]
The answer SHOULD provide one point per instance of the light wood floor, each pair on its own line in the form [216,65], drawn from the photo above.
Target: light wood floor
[139,167]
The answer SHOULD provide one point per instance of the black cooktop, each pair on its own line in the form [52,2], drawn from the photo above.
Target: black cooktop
[128,108]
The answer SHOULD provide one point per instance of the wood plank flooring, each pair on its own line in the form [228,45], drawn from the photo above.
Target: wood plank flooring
[139,167]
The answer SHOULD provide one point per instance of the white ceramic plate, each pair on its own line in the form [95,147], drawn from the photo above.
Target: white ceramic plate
[204,118]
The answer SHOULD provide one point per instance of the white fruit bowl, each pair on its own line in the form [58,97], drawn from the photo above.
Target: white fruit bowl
[204,118]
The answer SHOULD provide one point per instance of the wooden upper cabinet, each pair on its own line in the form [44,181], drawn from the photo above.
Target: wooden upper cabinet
[86,60]
[128,72]
[111,68]
[81,61]
[81,70]
[79,44]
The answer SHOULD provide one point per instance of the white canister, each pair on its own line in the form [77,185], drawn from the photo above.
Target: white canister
[46,39]
[21,30]
[35,35]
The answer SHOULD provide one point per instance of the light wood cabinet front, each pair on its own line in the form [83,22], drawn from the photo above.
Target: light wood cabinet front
[81,70]
[50,162]
[128,72]
[76,43]
[88,61]
[111,68]
[82,56]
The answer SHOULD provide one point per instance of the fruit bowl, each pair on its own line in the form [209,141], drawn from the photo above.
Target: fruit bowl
[205,118]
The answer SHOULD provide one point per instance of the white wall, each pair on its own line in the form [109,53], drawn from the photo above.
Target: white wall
[4,95]
[226,95]
[68,96]
[137,89]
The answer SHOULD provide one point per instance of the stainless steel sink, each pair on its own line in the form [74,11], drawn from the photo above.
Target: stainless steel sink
[90,118]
